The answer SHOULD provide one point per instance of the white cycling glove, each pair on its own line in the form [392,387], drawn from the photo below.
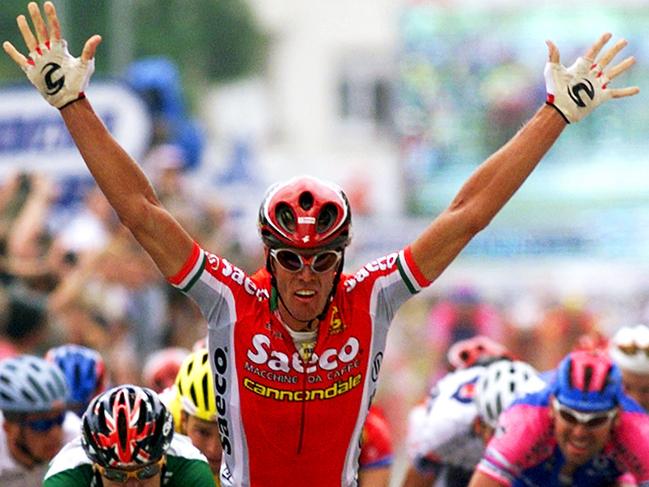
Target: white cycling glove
[577,90]
[58,76]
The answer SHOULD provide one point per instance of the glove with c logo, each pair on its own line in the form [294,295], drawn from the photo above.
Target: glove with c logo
[58,76]
[578,90]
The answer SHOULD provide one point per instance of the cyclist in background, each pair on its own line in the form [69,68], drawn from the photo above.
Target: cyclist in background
[84,370]
[34,425]
[629,349]
[128,437]
[582,430]
[375,461]
[192,402]
[161,368]
[445,435]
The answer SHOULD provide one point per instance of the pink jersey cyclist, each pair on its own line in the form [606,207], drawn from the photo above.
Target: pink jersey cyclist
[580,431]
[273,407]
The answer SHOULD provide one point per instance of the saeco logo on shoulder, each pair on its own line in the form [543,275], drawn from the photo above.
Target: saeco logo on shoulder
[53,86]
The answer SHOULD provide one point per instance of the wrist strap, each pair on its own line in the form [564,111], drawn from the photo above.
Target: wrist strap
[81,96]
[560,112]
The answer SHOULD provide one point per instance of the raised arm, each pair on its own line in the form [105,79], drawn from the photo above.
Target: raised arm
[572,94]
[62,79]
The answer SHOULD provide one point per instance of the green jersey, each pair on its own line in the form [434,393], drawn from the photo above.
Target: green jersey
[186,465]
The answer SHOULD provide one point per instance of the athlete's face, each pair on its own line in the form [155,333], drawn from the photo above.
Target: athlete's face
[580,442]
[637,386]
[304,292]
[41,434]
[205,436]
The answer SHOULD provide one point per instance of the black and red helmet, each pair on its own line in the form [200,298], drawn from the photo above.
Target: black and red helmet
[126,426]
[305,213]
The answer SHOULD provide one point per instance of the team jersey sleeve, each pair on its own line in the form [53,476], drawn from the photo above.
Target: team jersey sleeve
[388,281]
[215,284]
[189,472]
[70,467]
[631,442]
[524,438]
[80,476]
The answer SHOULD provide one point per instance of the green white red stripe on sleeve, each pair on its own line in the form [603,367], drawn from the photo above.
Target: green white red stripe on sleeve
[412,276]
[191,270]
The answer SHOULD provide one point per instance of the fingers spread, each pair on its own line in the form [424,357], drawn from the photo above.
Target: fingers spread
[597,47]
[612,52]
[55,26]
[620,68]
[553,52]
[28,37]
[39,23]
[624,92]
[13,53]
[90,48]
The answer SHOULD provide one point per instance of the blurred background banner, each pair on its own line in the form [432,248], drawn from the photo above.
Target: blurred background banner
[33,136]
[469,77]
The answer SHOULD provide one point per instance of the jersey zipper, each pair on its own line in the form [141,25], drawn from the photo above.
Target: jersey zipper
[303,411]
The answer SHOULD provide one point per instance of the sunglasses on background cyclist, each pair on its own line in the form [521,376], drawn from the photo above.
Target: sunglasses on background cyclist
[122,476]
[43,425]
[589,420]
[294,262]
[633,348]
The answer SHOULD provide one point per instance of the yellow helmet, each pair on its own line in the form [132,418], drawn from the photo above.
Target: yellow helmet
[195,386]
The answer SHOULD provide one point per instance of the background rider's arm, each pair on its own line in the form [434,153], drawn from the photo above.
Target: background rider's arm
[485,193]
[127,189]
[479,479]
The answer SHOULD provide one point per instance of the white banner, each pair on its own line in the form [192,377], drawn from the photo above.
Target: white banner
[33,136]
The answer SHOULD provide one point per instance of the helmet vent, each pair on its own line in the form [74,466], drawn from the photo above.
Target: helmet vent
[205,393]
[122,428]
[306,201]
[285,217]
[326,218]
[588,376]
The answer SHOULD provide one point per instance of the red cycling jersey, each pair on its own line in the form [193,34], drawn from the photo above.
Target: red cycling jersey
[284,421]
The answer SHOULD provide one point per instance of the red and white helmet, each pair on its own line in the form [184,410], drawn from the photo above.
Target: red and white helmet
[477,349]
[305,213]
[162,366]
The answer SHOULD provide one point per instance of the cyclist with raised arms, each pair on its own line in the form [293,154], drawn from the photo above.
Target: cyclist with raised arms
[128,438]
[580,431]
[629,349]
[34,424]
[296,347]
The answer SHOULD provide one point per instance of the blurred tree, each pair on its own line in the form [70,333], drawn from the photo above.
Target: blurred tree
[213,40]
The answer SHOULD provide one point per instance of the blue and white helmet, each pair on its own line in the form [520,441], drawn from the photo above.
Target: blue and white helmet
[31,384]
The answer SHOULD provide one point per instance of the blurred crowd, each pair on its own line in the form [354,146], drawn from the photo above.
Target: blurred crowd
[71,274]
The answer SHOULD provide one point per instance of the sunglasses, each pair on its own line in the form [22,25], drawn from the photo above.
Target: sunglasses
[294,262]
[589,420]
[122,476]
[633,348]
[43,425]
